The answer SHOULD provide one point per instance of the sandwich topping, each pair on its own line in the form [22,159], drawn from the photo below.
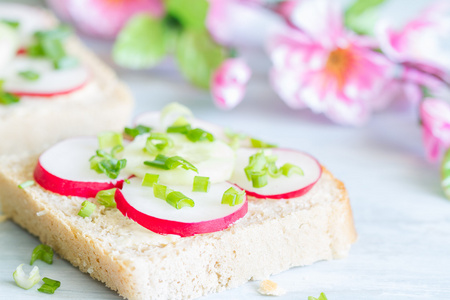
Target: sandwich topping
[34,61]
[177,175]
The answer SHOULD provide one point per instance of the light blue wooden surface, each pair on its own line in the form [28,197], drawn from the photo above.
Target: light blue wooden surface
[402,218]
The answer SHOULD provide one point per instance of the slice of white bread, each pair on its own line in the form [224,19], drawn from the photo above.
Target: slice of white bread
[33,124]
[274,236]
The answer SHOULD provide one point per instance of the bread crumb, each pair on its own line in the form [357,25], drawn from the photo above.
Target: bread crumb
[90,270]
[41,213]
[3,218]
[270,288]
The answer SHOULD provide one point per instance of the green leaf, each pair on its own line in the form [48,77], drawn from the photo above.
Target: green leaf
[141,43]
[190,13]
[362,15]
[198,56]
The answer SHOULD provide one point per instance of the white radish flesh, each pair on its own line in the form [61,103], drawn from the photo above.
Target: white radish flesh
[282,187]
[30,20]
[212,159]
[208,215]
[51,82]
[9,44]
[65,169]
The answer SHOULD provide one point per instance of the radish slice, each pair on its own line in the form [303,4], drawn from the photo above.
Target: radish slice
[208,214]
[152,119]
[50,83]
[212,159]
[9,43]
[31,19]
[64,169]
[282,187]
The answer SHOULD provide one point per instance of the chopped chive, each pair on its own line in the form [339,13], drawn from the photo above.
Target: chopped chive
[12,23]
[49,286]
[106,198]
[180,121]
[127,181]
[175,161]
[233,197]
[24,281]
[159,162]
[5,97]
[65,62]
[87,208]
[150,179]
[53,49]
[201,184]
[42,252]
[138,130]
[259,180]
[160,191]
[26,184]
[260,144]
[183,129]
[288,169]
[157,142]
[198,134]
[168,163]
[117,149]
[179,200]
[59,33]
[29,75]
[109,139]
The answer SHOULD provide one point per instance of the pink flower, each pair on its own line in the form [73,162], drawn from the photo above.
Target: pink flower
[228,83]
[322,66]
[233,22]
[421,42]
[435,114]
[104,18]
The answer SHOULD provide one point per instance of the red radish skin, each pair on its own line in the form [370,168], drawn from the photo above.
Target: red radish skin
[49,95]
[66,187]
[182,229]
[287,195]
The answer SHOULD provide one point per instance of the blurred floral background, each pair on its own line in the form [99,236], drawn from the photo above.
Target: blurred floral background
[343,59]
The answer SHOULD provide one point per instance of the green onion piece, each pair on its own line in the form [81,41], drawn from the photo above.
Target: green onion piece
[198,134]
[183,129]
[106,198]
[260,144]
[288,169]
[35,51]
[159,191]
[180,121]
[159,162]
[321,297]
[127,181]
[138,130]
[42,252]
[12,23]
[87,208]
[179,200]
[257,164]
[259,180]
[201,184]
[233,197]
[24,281]
[168,163]
[49,286]
[272,170]
[235,138]
[7,98]
[157,142]
[175,161]
[117,149]
[59,33]
[26,184]
[445,174]
[109,139]
[53,49]
[65,62]
[150,179]
[29,75]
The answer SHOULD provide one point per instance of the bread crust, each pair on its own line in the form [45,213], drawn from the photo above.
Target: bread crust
[274,236]
[35,123]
